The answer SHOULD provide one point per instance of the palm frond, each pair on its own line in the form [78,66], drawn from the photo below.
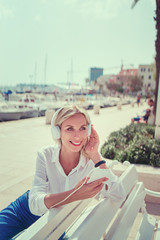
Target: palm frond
[134,3]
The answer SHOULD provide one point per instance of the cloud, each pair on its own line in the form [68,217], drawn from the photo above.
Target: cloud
[5,12]
[101,9]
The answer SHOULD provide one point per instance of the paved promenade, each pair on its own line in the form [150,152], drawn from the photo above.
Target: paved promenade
[20,141]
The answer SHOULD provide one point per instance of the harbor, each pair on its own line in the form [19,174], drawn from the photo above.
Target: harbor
[21,106]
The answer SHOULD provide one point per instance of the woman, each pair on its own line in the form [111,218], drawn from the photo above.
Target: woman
[61,172]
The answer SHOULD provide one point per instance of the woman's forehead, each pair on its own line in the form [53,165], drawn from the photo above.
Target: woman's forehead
[78,118]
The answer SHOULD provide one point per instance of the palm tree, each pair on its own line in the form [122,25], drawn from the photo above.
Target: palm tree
[157,61]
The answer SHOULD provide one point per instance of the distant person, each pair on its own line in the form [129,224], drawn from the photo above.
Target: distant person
[138,99]
[61,173]
[142,119]
[150,103]
[151,119]
[148,116]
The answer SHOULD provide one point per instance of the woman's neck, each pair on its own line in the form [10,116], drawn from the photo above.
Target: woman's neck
[68,160]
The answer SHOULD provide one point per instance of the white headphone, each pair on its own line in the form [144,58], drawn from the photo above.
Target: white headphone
[56,132]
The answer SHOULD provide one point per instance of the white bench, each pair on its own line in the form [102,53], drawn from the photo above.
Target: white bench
[105,219]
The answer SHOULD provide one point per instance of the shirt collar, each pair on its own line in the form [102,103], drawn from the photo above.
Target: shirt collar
[55,157]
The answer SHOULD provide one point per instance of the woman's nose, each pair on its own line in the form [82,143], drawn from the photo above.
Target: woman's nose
[76,134]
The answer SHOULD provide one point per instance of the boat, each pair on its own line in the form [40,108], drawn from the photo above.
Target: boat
[29,113]
[10,114]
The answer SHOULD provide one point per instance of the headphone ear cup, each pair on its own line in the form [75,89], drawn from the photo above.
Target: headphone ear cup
[89,129]
[56,132]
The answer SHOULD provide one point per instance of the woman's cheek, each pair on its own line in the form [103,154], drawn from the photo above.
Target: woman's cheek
[85,140]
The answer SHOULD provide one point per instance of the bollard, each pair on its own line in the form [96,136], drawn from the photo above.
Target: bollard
[119,105]
[96,109]
[49,113]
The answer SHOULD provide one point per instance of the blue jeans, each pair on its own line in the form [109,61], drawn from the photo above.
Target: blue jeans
[16,218]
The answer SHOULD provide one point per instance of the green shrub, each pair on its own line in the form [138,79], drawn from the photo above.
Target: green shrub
[134,143]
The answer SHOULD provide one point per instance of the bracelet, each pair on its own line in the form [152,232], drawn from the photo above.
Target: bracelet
[99,163]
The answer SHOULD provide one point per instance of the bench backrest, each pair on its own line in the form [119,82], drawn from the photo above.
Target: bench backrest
[91,212]
[107,210]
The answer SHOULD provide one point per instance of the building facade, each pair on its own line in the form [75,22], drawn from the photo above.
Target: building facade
[95,73]
[125,77]
[147,75]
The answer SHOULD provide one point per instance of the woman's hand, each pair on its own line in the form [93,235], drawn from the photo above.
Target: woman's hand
[88,190]
[82,190]
[91,148]
[92,145]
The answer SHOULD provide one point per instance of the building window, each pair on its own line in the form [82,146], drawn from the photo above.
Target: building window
[142,77]
[149,77]
[149,70]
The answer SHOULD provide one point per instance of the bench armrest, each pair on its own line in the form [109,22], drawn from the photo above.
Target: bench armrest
[152,193]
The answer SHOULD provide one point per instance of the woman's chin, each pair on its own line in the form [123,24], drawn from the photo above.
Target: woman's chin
[76,148]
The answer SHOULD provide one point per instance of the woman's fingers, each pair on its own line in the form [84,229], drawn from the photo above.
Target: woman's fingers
[88,190]
[99,181]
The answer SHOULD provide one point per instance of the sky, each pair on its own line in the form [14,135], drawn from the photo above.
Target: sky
[52,41]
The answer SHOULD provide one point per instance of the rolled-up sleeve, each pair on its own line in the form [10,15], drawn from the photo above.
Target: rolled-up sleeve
[39,188]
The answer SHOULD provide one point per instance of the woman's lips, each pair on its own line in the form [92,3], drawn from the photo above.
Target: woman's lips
[76,144]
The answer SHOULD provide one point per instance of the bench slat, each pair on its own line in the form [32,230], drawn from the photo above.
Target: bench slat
[96,218]
[129,178]
[43,227]
[68,220]
[146,229]
[127,215]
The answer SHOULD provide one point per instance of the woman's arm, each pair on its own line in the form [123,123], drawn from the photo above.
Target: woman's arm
[40,200]
[39,187]
[81,191]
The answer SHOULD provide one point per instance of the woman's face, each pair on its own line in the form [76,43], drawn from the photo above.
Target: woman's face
[74,132]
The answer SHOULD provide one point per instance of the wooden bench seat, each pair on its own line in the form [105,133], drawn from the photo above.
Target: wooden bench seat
[104,219]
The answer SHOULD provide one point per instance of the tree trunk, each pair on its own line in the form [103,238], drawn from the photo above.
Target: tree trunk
[157,46]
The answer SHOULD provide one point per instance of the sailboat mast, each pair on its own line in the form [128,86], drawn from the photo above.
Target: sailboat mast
[45,70]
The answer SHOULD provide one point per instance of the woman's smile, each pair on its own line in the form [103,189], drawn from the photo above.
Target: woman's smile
[76,144]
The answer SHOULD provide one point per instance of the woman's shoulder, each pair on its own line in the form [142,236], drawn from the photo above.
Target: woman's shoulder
[48,150]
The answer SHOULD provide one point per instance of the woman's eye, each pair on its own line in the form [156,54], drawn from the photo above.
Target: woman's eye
[69,129]
[83,128]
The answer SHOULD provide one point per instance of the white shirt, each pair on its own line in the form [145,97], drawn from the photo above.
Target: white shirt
[51,178]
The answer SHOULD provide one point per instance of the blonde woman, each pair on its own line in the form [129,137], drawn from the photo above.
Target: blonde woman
[61,172]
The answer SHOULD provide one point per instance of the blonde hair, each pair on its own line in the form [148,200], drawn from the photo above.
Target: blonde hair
[65,113]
